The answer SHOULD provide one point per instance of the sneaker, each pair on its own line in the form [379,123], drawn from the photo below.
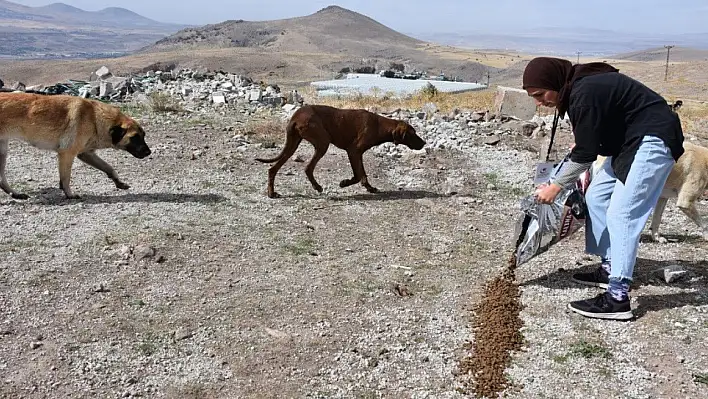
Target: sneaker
[603,306]
[598,278]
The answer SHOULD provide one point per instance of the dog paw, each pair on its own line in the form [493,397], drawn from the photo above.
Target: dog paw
[345,183]
[19,196]
[318,188]
[372,189]
[273,195]
[122,186]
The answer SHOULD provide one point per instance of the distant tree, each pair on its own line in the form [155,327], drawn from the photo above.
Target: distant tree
[397,67]
[365,69]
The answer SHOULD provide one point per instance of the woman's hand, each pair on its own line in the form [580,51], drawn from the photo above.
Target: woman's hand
[547,193]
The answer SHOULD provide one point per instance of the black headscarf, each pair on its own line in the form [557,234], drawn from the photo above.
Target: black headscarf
[559,75]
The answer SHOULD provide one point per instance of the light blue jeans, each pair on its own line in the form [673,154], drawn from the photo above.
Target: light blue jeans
[618,212]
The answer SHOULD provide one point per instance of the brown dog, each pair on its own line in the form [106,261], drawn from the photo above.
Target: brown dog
[353,130]
[74,127]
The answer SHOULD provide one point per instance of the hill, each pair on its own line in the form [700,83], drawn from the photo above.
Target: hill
[316,45]
[61,30]
[677,54]
[332,29]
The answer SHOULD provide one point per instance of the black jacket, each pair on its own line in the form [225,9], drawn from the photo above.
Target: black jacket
[611,113]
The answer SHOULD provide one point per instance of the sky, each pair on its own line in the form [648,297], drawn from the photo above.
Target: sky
[438,16]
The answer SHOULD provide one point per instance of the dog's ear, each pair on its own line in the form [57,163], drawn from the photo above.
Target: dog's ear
[399,133]
[117,132]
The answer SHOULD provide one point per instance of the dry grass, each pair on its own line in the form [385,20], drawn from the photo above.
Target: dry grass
[694,118]
[480,100]
[494,59]
[163,102]
[270,129]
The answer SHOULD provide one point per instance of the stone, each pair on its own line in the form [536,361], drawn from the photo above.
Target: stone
[492,140]
[477,117]
[673,273]
[254,95]
[143,252]
[218,97]
[106,89]
[103,73]
[514,102]
[528,128]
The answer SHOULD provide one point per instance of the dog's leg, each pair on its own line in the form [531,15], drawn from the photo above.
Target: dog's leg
[292,141]
[357,178]
[656,219]
[320,151]
[66,160]
[4,144]
[357,162]
[92,159]
[687,203]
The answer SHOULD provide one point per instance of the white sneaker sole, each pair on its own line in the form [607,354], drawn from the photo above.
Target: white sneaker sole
[607,316]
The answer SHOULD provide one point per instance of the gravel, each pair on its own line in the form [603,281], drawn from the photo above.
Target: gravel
[194,284]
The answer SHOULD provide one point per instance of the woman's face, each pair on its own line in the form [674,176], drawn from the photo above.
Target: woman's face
[545,97]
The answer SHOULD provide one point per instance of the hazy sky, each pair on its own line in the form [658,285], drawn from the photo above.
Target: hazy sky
[412,16]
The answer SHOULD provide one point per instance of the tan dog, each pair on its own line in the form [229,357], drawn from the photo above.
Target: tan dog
[353,130]
[74,127]
[687,182]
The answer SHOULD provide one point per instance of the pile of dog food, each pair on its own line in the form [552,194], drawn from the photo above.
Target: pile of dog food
[497,333]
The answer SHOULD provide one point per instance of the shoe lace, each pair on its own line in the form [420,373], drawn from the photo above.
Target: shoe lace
[601,300]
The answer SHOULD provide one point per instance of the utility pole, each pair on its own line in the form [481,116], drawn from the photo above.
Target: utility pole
[666,74]
[487,78]
[578,53]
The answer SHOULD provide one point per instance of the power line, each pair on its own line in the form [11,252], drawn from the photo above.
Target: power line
[668,50]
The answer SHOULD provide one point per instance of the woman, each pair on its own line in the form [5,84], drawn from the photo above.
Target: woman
[618,117]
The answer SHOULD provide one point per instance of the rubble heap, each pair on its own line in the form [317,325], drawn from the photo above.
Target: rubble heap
[193,88]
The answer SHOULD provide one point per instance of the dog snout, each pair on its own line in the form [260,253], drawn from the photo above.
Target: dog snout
[142,152]
[417,143]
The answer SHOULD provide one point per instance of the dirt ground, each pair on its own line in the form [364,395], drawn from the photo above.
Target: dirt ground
[193,284]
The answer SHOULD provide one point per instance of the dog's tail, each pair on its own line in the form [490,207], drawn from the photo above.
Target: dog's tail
[289,131]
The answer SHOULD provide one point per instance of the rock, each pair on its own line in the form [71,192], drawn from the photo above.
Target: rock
[538,132]
[181,335]
[492,140]
[477,116]
[103,73]
[143,252]
[254,95]
[514,102]
[289,107]
[528,128]
[106,89]
[218,97]
[673,273]
[99,287]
